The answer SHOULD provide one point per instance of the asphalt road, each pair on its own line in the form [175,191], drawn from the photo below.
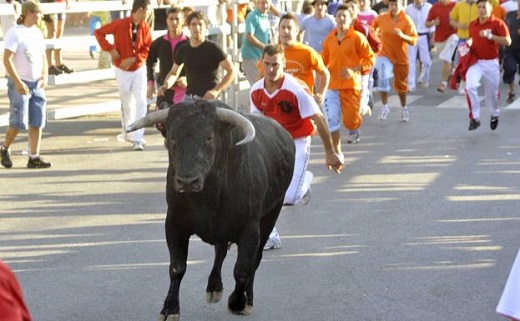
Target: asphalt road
[422,225]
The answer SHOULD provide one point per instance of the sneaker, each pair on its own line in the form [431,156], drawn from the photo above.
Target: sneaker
[383,114]
[138,146]
[55,71]
[425,84]
[510,97]
[65,69]
[38,162]
[493,124]
[306,198]
[5,158]
[353,136]
[274,241]
[411,89]
[474,124]
[405,115]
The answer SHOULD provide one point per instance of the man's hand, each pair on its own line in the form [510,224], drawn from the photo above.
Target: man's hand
[22,88]
[347,73]
[334,161]
[211,94]
[182,82]
[127,63]
[398,32]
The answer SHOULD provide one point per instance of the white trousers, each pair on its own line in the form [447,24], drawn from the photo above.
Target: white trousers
[132,92]
[301,179]
[423,48]
[489,72]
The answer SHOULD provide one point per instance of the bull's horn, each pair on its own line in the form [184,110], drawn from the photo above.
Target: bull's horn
[232,117]
[150,119]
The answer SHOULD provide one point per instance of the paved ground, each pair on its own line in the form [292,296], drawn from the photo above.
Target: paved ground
[422,224]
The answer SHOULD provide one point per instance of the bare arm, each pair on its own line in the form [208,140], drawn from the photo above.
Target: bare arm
[504,41]
[332,159]
[254,41]
[324,84]
[21,87]
[170,79]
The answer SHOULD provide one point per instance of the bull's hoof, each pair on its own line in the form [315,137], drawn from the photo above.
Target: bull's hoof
[246,311]
[237,304]
[171,317]
[213,296]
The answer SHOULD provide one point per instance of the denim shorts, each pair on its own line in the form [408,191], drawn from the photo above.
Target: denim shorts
[332,109]
[27,110]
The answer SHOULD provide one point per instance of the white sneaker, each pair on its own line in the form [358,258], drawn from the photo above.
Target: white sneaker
[274,242]
[306,198]
[383,114]
[405,115]
[138,146]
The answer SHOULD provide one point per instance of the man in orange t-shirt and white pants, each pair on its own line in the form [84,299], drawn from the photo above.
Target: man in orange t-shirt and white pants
[396,31]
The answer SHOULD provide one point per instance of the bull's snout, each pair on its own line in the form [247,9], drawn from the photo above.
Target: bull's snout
[188,184]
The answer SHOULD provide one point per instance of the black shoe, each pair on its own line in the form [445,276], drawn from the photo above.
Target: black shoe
[38,162]
[65,69]
[5,158]
[54,71]
[493,124]
[510,97]
[474,124]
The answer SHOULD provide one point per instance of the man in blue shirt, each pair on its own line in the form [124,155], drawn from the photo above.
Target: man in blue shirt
[256,37]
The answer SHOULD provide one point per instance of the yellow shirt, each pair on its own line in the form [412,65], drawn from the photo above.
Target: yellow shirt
[463,12]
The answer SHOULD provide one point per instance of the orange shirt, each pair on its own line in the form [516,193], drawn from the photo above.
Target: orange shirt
[122,31]
[351,51]
[499,12]
[395,48]
[241,13]
[300,62]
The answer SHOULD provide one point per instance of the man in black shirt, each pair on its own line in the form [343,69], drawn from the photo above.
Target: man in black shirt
[201,59]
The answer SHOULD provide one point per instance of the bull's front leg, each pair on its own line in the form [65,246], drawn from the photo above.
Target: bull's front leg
[214,288]
[178,241]
[244,270]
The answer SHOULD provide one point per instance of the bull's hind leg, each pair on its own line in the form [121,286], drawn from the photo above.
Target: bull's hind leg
[244,270]
[214,289]
[178,242]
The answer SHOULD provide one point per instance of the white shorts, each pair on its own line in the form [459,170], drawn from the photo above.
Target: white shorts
[385,72]
[447,48]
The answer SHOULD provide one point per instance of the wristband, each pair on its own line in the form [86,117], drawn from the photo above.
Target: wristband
[489,35]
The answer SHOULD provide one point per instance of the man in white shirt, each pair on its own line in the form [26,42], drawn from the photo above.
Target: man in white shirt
[418,11]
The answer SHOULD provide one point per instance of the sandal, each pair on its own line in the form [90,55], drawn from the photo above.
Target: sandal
[441,88]
[510,97]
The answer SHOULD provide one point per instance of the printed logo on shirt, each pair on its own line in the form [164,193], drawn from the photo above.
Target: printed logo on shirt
[285,106]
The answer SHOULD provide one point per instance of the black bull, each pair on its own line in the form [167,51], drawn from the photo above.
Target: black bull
[224,188]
